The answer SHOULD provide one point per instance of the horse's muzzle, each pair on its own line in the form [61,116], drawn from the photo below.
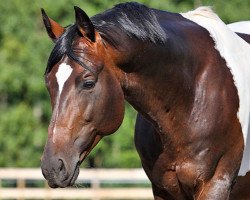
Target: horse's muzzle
[58,172]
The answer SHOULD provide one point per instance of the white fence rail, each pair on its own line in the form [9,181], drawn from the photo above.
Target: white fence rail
[125,184]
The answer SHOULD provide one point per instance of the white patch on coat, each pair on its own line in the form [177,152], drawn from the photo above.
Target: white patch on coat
[63,73]
[240,27]
[236,53]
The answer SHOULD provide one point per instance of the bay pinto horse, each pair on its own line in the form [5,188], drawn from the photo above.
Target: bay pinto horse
[180,71]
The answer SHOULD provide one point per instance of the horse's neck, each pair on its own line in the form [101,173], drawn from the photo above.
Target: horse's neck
[159,80]
[153,83]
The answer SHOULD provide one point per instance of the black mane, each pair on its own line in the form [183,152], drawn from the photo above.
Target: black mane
[133,19]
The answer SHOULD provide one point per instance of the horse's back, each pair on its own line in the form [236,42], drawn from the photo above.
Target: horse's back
[240,27]
[245,37]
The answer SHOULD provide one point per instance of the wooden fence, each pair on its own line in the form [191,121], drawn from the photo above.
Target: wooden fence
[98,184]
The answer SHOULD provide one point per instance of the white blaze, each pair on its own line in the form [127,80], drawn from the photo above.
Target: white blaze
[62,75]
[236,53]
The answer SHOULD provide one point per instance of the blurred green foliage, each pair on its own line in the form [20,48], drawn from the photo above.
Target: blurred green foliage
[24,102]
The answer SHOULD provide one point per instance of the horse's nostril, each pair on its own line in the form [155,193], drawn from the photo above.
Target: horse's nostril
[62,170]
[61,166]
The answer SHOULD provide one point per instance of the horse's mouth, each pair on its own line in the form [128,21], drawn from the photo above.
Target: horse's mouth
[57,183]
[68,179]
[75,175]
[86,152]
[83,155]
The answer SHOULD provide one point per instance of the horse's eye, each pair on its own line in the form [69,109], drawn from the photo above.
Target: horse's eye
[88,84]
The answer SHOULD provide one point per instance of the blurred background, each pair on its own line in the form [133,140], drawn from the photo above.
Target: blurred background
[24,102]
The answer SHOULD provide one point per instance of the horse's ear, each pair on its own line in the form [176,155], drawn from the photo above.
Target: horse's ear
[84,24]
[54,30]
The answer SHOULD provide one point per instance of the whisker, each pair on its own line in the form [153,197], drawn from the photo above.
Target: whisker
[79,185]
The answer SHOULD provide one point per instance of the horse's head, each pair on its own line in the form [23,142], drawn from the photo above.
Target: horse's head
[86,97]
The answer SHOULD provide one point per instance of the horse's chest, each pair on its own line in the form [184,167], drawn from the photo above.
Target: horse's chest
[180,177]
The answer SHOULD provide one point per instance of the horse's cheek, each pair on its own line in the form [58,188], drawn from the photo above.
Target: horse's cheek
[112,106]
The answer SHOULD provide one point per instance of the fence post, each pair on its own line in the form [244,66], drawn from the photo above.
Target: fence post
[95,185]
[47,191]
[21,185]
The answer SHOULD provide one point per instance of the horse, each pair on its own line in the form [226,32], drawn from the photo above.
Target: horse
[186,73]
